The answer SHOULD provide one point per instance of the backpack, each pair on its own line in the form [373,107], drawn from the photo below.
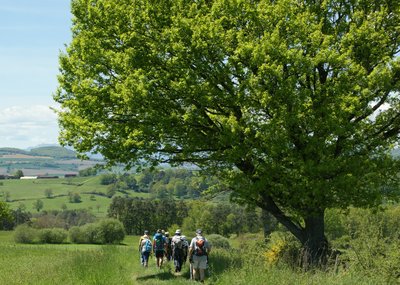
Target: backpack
[199,249]
[146,245]
[178,242]
[159,241]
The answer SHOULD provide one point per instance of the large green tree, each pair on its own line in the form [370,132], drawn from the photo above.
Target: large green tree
[294,102]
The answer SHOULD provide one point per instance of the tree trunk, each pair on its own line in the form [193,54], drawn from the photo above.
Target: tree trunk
[311,235]
[315,244]
[269,223]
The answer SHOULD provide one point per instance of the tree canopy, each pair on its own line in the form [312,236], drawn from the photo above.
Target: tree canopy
[294,102]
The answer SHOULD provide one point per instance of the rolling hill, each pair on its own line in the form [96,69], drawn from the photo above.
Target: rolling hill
[46,160]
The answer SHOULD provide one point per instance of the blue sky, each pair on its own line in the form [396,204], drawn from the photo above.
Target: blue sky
[32,34]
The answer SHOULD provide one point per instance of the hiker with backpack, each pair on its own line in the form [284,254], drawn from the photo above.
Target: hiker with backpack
[145,247]
[168,247]
[185,247]
[159,247]
[177,250]
[199,249]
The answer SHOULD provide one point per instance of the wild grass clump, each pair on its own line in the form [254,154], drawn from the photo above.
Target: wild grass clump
[248,263]
[218,241]
[368,241]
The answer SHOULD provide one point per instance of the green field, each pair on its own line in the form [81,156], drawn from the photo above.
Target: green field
[96,264]
[28,191]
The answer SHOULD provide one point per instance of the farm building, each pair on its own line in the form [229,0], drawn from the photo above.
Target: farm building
[28,177]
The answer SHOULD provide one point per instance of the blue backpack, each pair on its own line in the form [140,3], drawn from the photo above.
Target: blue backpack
[147,246]
[159,241]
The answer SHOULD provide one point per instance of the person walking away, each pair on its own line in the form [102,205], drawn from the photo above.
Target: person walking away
[168,248]
[199,249]
[145,247]
[185,248]
[159,247]
[177,250]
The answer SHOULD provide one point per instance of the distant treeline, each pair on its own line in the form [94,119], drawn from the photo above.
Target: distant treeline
[221,218]
[162,184]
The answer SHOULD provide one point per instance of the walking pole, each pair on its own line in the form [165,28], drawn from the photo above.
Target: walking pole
[191,267]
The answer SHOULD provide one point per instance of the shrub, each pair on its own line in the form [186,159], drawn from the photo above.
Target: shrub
[74,197]
[104,232]
[218,241]
[282,247]
[92,234]
[112,231]
[54,235]
[107,179]
[24,234]
[76,235]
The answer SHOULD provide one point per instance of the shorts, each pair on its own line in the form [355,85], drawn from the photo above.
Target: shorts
[159,253]
[200,262]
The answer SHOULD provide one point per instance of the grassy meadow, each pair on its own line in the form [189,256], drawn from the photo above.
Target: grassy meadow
[369,259]
[28,191]
[119,264]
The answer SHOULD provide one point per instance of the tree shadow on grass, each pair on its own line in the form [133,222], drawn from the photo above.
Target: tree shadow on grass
[162,275]
[166,274]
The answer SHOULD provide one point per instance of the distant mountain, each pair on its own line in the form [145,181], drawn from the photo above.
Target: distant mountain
[90,155]
[11,150]
[41,145]
[56,152]
[43,160]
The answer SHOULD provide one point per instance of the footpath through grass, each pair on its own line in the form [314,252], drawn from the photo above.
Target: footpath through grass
[94,264]
[79,264]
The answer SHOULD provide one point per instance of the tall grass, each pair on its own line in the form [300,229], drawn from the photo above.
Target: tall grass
[119,264]
[238,267]
[52,265]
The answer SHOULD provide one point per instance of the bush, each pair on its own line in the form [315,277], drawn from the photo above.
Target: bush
[218,241]
[107,179]
[104,232]
[74,197]
[283,247]
[25,234]
[92,234]
[112,231]
[54,235]
[76,235]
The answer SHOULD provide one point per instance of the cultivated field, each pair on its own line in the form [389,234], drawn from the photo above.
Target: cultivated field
[89,188]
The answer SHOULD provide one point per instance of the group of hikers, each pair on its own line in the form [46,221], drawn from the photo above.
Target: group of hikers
[178,249]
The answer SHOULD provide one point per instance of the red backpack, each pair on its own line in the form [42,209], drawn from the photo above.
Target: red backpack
[199,247]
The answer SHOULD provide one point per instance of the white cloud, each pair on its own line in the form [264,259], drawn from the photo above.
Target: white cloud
[24,127]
